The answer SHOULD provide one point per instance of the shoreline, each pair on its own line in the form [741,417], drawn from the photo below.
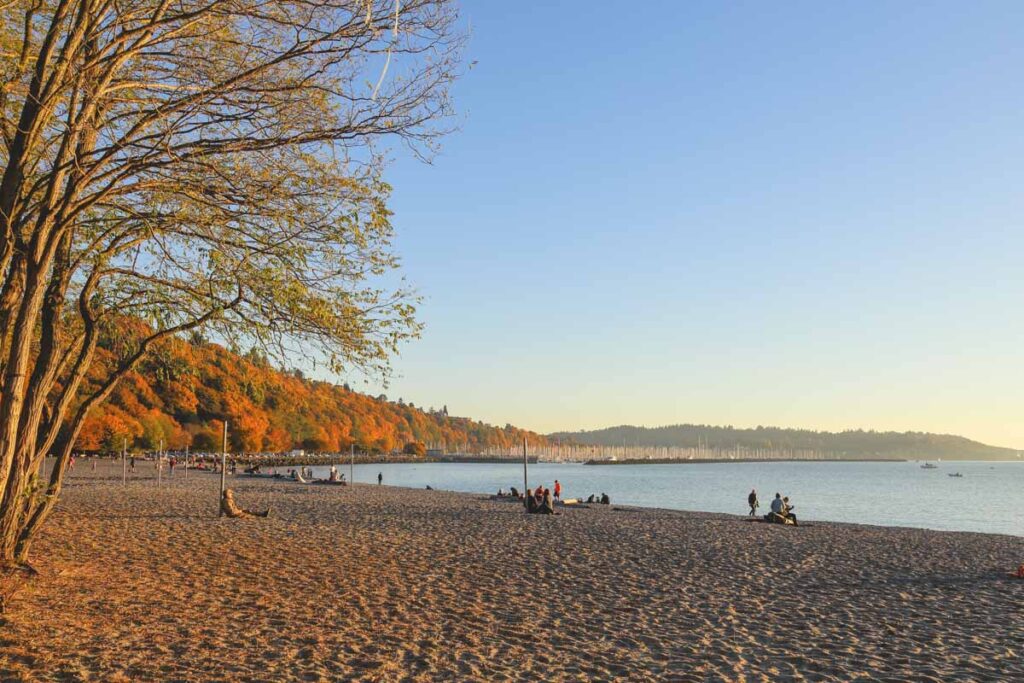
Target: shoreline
[716,461]
[736,517]
[486,495]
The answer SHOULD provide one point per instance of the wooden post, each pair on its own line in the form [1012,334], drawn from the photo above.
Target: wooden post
[124,462]
[159,462]
[352,463]
[224,462]
[526,485]
[186,463]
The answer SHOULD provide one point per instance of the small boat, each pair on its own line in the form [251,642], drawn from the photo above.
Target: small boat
[929,466]
[955,474]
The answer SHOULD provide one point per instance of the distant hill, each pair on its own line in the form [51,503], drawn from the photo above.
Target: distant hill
[853,444]
[184,391]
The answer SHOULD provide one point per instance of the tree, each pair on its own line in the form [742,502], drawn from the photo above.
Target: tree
[199,166]
[416,448]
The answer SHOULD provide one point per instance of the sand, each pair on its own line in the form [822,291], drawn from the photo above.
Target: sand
[379,584]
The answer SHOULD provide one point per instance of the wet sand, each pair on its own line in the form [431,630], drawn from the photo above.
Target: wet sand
[378,584]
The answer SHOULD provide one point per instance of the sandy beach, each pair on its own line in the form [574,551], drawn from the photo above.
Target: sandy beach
[377,583]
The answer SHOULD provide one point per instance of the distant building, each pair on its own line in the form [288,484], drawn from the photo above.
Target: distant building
[434,452]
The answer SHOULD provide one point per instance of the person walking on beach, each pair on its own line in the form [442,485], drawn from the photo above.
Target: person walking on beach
[558,490]
[380,478]
[752,502]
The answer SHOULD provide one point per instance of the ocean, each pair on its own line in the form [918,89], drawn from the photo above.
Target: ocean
[988,498]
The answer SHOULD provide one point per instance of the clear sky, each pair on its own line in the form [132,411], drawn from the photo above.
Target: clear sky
[801,214]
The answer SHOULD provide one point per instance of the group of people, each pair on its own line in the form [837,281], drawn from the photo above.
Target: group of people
[535,498]
[781,509]
[540,501]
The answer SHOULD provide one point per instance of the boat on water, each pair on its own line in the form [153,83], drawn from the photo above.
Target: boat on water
[929,466]
[954,474]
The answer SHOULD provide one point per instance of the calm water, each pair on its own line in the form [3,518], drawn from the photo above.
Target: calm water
[988,498]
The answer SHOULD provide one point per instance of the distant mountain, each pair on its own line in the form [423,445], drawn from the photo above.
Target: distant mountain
[853,444]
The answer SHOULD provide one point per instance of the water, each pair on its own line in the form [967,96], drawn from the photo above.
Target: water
[989,497]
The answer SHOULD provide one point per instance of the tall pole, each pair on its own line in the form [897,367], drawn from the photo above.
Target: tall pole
[224,461]
[159,462]
[352,463]
[526,485]
[124,462]
[186,462]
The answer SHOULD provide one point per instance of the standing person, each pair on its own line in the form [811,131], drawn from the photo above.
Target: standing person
[380,478]
[170,466]
[133,464]
[752,502]
[558,490]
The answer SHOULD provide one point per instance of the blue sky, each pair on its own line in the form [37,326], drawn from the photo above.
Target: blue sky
[800,214]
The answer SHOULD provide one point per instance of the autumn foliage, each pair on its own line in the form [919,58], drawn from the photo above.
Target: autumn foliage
[183,393]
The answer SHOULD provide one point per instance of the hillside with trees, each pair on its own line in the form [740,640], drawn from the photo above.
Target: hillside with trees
[851,444]
[183,391]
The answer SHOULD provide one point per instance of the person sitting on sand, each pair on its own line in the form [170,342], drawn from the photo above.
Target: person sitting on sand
[333,475]
[780,513]
[787,511]
[752,502]
[539,495]
[531,502]
[590,498]
[230,509]
[605,500]
[514,492]
[547,506]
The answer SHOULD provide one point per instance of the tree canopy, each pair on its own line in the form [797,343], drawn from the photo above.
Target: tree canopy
[182,393]
[193,164]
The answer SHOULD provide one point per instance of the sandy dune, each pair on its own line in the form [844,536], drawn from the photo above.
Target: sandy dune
[377,583]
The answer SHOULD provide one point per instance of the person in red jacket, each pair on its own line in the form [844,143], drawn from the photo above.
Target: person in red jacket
[558,490]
